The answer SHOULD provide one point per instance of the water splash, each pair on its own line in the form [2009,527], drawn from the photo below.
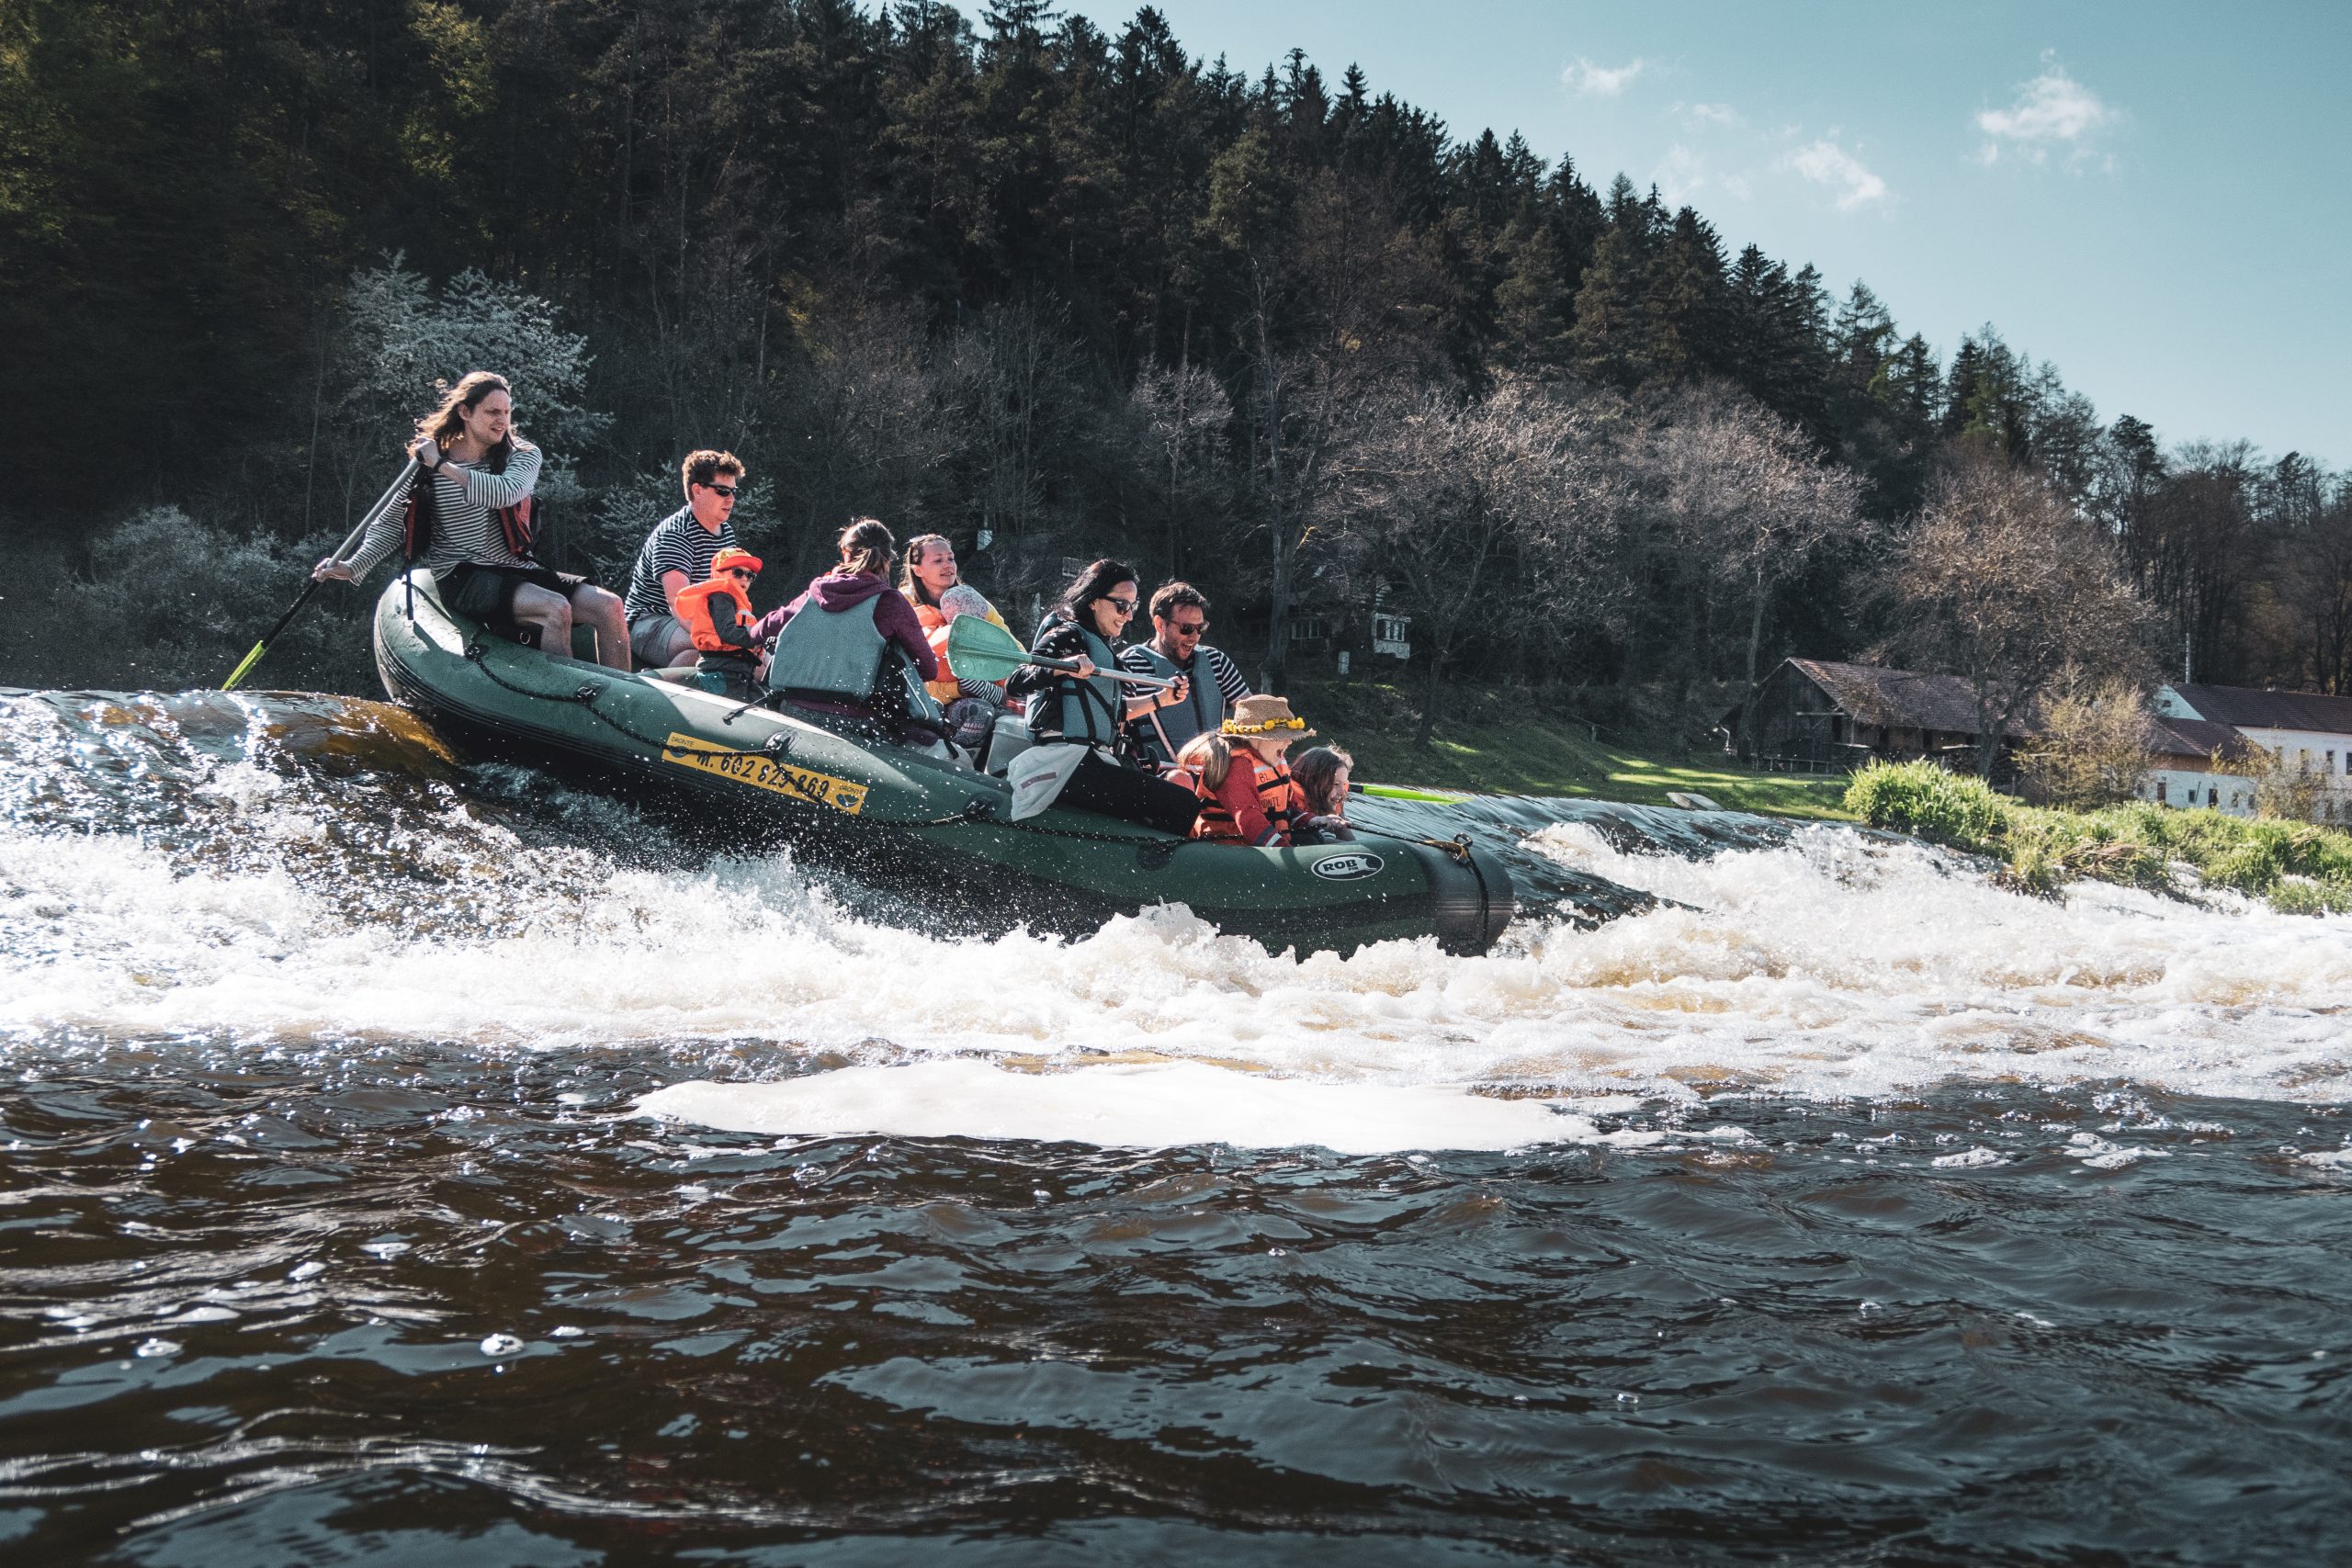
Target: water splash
[312,873]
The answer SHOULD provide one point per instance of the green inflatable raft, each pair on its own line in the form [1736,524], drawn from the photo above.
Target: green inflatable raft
[923,820]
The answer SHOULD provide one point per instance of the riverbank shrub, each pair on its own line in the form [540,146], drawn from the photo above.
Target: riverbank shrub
[1934,803]
[2297,867]
[174,601]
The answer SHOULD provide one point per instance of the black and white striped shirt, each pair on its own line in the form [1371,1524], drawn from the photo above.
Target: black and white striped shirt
[463,529]
[1228,678]
[678,542]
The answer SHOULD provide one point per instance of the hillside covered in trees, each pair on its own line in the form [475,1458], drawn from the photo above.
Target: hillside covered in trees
[1060,292]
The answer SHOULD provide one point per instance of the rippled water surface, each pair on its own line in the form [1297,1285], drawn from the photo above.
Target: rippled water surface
[405,1162]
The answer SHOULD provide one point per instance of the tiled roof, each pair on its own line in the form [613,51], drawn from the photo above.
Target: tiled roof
[2198,738]
[1903,698]
[2243,705]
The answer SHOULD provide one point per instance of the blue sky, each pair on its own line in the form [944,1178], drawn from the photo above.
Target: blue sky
[2156,197]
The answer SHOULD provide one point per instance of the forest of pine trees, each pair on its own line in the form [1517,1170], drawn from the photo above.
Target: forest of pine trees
[1080,293]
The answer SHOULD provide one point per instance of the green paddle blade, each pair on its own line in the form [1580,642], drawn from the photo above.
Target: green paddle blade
[1391,792]
[982,651]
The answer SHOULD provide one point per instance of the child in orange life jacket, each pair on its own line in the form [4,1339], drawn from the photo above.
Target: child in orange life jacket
[1247,793]
[717,615]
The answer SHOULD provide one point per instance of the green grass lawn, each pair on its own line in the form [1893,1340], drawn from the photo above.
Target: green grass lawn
[1488,743]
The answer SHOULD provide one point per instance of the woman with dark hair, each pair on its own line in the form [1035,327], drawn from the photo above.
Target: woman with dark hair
[1086,706]
[835,644]
[479,505]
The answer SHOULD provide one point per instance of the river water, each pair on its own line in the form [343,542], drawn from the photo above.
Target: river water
[402,1162]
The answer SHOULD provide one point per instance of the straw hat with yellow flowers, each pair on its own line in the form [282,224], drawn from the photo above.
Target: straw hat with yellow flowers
[1265,719]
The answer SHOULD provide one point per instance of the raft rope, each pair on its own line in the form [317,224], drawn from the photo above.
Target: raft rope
[975,814]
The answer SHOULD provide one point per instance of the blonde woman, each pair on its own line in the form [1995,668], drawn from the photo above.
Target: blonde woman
[926,578]
[482,546]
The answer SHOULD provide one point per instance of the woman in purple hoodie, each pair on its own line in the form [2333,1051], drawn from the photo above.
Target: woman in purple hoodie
[835,644]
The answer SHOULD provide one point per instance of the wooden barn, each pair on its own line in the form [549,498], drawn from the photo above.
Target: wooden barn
[1817,717]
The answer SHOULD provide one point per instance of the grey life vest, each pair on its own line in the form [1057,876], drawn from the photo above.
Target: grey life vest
[1166,730]
[841,655]
[833,655]
[1091,710]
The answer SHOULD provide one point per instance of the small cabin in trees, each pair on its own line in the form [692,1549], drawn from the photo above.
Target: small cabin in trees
[1813,715]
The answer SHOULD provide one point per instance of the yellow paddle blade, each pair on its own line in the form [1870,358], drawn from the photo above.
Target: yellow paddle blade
[244,666]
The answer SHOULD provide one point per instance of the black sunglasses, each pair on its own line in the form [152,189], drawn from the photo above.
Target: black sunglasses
[727,490]
[1194,628]
[742,571]
[1125,606]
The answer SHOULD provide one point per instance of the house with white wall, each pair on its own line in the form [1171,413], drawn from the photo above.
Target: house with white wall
[2311,733]
[2183,754]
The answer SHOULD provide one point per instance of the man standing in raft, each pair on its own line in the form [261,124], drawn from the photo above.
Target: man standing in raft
[477,516]
[678,554]
[1180,618]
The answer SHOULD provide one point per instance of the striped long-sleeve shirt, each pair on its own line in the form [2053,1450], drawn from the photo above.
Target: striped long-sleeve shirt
[463,529]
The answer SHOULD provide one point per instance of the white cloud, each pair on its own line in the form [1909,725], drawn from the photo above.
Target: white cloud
[1826,163]
[2053,111]
[1715,114]
[1683,174]
[1601,81]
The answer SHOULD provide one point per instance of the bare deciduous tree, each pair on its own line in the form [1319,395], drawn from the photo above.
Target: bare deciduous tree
[1748,503]
[2000,583]
[1475,511]
[1181,409]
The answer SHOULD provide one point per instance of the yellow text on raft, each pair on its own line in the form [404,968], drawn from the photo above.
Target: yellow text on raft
[844,795]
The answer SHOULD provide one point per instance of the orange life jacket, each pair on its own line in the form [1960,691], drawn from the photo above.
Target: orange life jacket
[1278,796]
[717,615]
[934,629]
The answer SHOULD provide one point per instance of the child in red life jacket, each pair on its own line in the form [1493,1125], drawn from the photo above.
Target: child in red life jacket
[717,615]
[1247,793]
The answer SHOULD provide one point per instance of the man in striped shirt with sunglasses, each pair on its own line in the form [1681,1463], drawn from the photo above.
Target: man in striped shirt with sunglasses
[677,555]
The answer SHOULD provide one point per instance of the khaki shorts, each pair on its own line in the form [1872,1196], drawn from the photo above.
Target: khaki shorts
[657,640]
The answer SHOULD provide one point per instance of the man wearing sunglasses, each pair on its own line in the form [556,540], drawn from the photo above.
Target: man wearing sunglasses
[1179,619]
[677,555]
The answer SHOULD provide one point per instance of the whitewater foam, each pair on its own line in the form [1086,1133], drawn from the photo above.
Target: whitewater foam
[278,907]
[1125,1105]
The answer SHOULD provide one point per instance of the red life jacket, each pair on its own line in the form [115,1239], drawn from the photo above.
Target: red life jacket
[1278,797]
[417,515]
[521,525]
[717,615]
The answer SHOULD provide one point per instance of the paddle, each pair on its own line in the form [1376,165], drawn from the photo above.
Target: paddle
[979,650]
[244,666]
[1391,792]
